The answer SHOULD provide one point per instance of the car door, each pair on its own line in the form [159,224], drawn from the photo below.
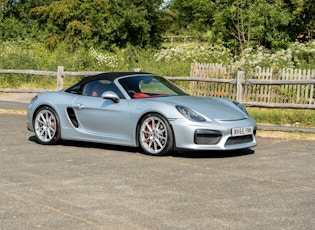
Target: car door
[103,118]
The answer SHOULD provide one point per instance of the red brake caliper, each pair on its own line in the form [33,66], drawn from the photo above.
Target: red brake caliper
[53,124]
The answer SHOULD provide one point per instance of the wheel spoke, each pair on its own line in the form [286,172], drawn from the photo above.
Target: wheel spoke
[155,147]
[40,121]
[153,123]
[51,128]
[157,141]
[149,127]
[147,131]
[46,135]
[43,117]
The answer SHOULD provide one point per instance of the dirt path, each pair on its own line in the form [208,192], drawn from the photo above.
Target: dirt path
[17,97]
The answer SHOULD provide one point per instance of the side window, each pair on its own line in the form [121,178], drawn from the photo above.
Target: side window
[153,86]
[94,88]
[74,90]
[97,88]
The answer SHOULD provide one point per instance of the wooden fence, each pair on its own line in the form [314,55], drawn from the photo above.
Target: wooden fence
[59,76]
[283,88]
[270,87]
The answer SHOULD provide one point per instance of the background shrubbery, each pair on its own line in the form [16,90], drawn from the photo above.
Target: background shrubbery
[169,60]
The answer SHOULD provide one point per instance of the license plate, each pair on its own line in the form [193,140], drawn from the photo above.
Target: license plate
[242,131]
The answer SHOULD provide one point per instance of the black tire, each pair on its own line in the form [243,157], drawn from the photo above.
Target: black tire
[47,126]
[155,135]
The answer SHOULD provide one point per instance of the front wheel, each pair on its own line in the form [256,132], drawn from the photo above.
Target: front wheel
[155,135]
[46,125]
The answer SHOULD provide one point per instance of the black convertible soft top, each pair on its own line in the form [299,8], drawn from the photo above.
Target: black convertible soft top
[111,76]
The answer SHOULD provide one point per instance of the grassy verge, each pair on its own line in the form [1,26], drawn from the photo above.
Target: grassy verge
[285,117]
[286,135]
[13,111]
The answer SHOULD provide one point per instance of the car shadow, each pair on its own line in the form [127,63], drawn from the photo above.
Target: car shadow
[179,154]
[83,144]
[214,153]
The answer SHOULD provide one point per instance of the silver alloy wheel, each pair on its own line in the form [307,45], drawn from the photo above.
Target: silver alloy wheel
[153,135]
[45,125]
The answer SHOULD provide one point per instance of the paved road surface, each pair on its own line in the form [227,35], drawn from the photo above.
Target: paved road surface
[93,186]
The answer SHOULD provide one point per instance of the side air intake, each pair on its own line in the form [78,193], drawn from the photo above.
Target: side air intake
[72,117]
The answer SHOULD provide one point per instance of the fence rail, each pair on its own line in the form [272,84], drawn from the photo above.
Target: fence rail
[284,88]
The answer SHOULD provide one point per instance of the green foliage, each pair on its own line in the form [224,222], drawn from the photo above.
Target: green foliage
[245,23]
[100,23]
[15,21]
[172,60]
[193,15]
[240,24]
[134,22]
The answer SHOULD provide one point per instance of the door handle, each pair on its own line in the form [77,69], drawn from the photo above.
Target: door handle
[79,106]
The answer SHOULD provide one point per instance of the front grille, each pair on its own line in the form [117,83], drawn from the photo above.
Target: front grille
[239,140]
[207,137]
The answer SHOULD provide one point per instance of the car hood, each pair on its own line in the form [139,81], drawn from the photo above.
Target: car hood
[211,107]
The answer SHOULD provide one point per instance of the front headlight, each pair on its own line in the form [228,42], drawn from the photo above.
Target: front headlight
[190,114]
[240,106]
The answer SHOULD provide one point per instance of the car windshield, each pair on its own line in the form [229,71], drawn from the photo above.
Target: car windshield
[150,86]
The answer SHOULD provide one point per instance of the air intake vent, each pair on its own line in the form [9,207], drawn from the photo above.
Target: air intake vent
[207,137]
[72,117]
[239,140]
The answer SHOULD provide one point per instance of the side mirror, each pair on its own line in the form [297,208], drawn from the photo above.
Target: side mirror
[111,95]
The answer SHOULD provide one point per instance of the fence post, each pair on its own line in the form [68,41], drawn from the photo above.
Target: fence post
[60,77]
[239,87]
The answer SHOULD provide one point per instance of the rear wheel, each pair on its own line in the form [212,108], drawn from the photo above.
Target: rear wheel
[155,135]
[46,125]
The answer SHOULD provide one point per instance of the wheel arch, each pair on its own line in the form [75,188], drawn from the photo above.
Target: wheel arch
[139,124]
[56,138]
[40,107]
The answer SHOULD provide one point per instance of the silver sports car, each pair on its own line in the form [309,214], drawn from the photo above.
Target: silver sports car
[139,109]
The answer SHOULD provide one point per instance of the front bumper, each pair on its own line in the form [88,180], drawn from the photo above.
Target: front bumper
[212,135]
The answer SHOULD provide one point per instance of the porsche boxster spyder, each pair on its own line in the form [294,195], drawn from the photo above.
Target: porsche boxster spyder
[139,109]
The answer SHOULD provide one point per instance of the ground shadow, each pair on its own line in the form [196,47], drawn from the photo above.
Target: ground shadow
[84,144]
[180,154]
[214,153]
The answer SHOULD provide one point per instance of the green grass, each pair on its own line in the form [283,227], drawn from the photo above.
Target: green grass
[290,117]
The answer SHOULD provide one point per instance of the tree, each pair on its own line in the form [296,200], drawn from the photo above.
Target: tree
[304,12]
[135,22]
[242,23]
[15,21]
[193,15]
[101,22]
